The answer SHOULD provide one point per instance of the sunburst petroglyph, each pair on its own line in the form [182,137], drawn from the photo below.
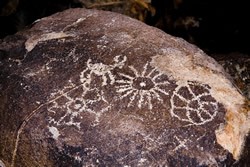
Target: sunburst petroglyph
[142,87]
[120,94]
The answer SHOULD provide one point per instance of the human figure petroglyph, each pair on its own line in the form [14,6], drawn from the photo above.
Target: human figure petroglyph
[102,70]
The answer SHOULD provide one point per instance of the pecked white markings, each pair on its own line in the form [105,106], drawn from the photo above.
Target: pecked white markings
[203,69]
[143,86]
[54,131]
[74,106]
[194,116]
[102,70]
[181,144]
[69,112]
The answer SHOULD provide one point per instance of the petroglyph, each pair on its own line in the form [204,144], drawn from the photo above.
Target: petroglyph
[72,108]
[102,70]
[141,87]
[181,144]
[100,89]
[193,103]
[54,131]
[86,97]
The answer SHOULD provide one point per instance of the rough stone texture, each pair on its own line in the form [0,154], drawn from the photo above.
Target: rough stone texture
[88,87]
[238,66]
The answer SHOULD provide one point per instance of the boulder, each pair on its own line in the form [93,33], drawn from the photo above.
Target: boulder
[94,88]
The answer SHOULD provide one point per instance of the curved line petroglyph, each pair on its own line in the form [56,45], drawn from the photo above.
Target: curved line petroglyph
[98,69]
[75,105]
[143,88]
[204,112]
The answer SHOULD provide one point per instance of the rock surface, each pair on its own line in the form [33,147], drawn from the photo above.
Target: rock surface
[87,87]
[238,66]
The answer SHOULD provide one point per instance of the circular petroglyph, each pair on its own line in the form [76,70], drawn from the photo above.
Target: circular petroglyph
[142,87]
[120,95]
[193,103]
[86,97]
[143,83]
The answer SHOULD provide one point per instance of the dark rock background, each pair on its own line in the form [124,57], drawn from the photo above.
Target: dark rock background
[215,26]
[220,28]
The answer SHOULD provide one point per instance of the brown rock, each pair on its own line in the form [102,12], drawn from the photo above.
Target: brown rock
[238,66]
[87,87]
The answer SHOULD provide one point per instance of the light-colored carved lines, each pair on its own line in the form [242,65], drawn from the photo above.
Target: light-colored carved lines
[196,108]
[181,143]
[102,70]
[30,116]
[72,107]
[72,110]
[142,88]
